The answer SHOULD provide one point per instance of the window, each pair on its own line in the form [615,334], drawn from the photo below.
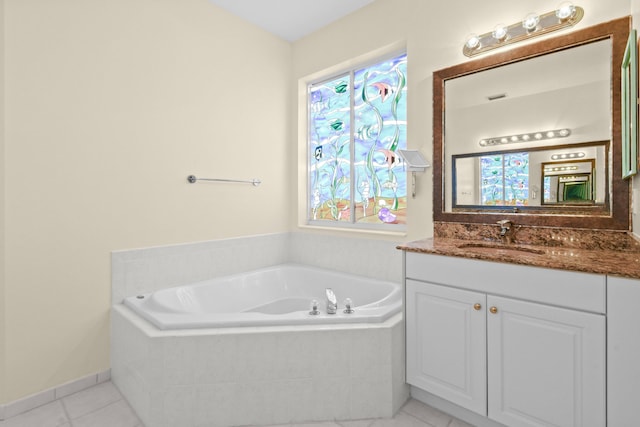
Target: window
[357,122]
[505,179]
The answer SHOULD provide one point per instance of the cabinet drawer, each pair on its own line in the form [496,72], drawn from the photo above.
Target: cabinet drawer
[581,291]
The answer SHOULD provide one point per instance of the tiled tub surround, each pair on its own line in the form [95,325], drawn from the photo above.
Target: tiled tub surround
[600,252]
[255,375]
[140,271]
[258,376]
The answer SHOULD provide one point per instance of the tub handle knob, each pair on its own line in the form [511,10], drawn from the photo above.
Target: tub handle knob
[348,304]
[314,308]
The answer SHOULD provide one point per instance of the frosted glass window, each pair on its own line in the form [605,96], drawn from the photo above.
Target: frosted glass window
[357,122]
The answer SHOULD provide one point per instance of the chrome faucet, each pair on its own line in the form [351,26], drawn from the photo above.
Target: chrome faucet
[332,301]
[506,230]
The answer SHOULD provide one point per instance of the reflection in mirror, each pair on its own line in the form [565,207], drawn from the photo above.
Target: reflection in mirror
[570,183]
[544,99]
[531,178]
[567,91]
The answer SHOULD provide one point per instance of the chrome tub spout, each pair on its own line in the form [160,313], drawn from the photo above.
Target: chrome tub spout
[332,301]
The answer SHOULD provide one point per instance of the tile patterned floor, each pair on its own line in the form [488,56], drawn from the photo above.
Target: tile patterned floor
[103,406]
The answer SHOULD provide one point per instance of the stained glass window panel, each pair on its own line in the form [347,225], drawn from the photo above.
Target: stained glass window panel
[505,179]
[516,179]
[492,180]
[357,122]
[380,129]
[330,158]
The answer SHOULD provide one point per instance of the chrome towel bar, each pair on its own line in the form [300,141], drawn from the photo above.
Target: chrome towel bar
[192,179]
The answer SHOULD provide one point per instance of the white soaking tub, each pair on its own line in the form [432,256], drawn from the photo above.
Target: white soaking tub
[274,296]
[243,350]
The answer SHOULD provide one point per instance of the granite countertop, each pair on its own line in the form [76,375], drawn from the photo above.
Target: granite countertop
[623,263]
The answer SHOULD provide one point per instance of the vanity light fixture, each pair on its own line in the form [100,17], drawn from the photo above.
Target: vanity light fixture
[525,137]
[533,25]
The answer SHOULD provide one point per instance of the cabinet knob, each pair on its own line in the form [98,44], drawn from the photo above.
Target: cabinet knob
[493,310]
[477,306]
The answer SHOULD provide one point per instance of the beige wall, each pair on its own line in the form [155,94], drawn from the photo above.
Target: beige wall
[2,208]
[433,35]
[109,106]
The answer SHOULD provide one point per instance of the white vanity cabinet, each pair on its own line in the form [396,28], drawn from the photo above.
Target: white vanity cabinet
[520,345]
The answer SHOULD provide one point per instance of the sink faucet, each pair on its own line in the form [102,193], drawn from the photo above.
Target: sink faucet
[332,301]
[506,230]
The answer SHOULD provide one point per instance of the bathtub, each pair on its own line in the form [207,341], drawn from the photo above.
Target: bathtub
[244,350]
[273,296]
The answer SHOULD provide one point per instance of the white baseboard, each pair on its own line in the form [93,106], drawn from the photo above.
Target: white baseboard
[25,404]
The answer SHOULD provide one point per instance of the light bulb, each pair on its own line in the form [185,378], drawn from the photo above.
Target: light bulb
[530,22]
[565,10]
[473,41]
[500,32]
[564,132]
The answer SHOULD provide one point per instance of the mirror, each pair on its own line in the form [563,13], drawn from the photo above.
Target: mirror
[532,178]
[571,183]
[509,119]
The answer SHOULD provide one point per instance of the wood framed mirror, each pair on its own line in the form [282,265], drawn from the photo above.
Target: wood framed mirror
[601,121]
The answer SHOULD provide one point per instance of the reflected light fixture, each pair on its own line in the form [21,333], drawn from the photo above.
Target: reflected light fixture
[561,169]
[571,178]
[533,25]
[565,156]
[525,137]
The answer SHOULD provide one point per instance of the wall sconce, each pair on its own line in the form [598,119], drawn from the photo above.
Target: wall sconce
[415,163]
[533,25]
[525,137]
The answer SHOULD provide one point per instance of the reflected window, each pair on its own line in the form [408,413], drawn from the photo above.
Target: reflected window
[505,179]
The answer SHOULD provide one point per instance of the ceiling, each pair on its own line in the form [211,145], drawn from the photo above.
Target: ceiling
[291,19]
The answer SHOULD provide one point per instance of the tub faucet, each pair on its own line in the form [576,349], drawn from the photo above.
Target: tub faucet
[506,230]
[332,301]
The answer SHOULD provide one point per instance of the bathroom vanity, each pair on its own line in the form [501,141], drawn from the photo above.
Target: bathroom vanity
[521,311]
[522,335]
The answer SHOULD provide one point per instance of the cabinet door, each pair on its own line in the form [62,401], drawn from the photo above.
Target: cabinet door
[546,365]
[446,343]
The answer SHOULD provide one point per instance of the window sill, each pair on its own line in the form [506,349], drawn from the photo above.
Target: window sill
[395,233]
